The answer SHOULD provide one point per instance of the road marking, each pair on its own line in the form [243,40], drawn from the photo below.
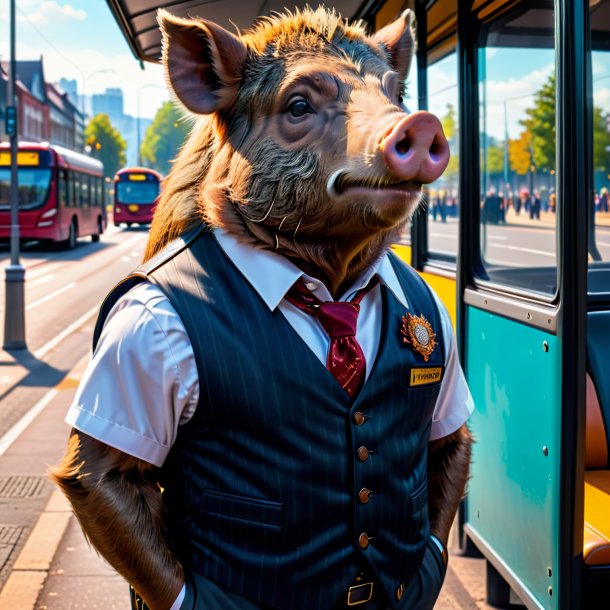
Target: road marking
[501,237]
[39,353]
[9,438]
[41,280]
[50,296]
[520,249]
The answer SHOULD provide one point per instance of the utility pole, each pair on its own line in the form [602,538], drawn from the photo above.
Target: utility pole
[14,310]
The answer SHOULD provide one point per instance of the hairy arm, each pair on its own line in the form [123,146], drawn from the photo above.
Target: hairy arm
[448,466]
[119,506]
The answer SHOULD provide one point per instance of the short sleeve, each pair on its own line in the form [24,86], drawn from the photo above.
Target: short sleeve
[454,404]
[141,382]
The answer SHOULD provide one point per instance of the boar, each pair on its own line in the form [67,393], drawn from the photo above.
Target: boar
[305,146]
[302,147]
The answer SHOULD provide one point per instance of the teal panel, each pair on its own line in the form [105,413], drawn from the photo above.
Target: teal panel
[513,495]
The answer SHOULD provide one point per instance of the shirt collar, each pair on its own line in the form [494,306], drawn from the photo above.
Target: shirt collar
[272,275]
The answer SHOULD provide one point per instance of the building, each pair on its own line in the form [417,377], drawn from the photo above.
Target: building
[44,112]
[110,102]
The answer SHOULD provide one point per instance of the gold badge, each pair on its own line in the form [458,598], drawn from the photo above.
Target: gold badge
[418,334]
[425,375]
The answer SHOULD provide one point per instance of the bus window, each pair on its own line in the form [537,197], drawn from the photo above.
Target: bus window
[600,200]
[517,144]
[441,196]
[99,195]
[62,188]
[86,191]
[33,187]
[77,189]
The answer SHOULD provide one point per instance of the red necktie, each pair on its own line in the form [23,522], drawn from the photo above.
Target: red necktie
[345,359]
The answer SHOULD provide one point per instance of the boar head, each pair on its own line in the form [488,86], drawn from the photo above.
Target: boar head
[301,143]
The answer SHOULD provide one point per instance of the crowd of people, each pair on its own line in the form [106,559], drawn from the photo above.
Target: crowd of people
[494,206]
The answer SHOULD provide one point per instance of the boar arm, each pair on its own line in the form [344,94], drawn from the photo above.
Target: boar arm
[120,509]
[448,465]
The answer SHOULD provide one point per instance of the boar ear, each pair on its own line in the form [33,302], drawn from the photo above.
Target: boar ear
[202,62]
[398,39]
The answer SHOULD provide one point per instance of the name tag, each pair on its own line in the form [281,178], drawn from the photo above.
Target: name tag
[425,375]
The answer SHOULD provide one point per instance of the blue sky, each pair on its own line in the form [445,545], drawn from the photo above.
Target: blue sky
[79,39]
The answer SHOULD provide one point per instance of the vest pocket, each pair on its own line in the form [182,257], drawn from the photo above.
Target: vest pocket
[244,508]
[419,497]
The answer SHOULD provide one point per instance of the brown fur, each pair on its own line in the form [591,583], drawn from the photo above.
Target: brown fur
[448,467]
[120,509]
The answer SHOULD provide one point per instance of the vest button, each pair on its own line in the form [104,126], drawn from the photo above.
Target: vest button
[363,541]
[363,454]
[400,591]
[358,418]
[364,495]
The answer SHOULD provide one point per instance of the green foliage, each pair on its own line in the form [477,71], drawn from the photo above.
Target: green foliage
[164,137]
[540,125]
[495,159]
[601,140]
[106,144]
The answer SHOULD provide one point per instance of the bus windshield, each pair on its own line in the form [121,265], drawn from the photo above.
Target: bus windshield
[33,187]
[137,192]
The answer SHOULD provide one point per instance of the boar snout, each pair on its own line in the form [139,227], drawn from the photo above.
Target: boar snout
[416,149]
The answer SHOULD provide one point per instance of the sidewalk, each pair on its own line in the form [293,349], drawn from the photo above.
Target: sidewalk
[547,220]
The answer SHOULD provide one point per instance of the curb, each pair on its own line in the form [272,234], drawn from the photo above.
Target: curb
[32,567]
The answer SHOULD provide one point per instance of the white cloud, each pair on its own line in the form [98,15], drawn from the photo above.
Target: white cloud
[41,13]
[516,95]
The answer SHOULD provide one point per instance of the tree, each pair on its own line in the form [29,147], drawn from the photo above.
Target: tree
[540,125]
[449,123]
[519,153]
[106,144]
[601,141]
[164,137]
[495,159]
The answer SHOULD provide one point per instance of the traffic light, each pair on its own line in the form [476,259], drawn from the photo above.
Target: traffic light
[10,119]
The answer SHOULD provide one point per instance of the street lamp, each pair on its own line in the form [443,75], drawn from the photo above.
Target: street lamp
[14,310]
[139,155]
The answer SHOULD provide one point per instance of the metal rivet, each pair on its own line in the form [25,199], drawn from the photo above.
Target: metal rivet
[478,515]
[550,590]
[545,450]
[529,315]
[545,346]
[549,571]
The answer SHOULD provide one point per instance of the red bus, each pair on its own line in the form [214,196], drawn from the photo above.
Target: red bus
[61,194]
[135,194]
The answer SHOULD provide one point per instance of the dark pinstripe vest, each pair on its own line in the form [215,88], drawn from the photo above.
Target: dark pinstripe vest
[262,485]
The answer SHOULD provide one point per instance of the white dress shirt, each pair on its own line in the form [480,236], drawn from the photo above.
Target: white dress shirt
[142,383]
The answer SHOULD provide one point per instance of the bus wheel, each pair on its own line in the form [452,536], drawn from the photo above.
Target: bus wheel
[96,236]
[71,241]
[497,589]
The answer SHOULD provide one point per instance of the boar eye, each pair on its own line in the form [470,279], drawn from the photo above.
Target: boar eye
[300,107]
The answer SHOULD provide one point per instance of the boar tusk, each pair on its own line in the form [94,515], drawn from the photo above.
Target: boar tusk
[330,185]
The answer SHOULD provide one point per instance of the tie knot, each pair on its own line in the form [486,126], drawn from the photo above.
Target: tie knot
[339,318]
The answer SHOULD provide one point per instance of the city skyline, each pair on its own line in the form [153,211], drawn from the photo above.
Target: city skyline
[79,40]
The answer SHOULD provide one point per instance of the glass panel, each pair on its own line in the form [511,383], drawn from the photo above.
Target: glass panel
[33,188]
[599,248]
[144,193]
[517,143]
[442,195]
